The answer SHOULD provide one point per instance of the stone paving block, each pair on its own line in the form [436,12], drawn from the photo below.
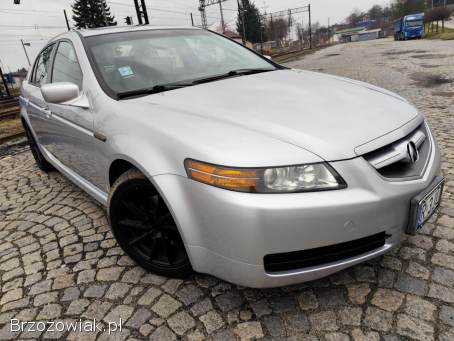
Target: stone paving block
[166,306]
[420,308]
[414,328]
[212,321]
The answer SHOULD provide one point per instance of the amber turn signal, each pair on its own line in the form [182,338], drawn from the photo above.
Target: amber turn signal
[236,179]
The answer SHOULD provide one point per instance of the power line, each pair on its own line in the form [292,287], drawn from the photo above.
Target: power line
[27,10]
[203,4]
[28,39]
[32,14]
[33,26]
[164,10]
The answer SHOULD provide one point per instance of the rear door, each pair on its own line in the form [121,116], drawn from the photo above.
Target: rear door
[37,109]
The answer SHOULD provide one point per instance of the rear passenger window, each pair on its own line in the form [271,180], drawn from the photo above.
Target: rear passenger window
[41,73]
[66,66]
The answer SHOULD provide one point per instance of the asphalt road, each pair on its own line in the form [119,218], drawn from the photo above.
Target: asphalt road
[59,261]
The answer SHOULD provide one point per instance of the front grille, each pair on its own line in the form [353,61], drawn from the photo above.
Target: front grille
[323,255]
[392,161]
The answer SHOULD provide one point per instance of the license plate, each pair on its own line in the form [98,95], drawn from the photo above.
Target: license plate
[424,205]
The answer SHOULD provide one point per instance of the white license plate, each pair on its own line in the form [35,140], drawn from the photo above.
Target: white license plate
[428,205]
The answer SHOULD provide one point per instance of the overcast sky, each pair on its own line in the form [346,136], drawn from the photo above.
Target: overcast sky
[36,21]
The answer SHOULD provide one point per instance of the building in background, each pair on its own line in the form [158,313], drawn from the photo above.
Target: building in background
[235,36]
[15,79]
[361,33]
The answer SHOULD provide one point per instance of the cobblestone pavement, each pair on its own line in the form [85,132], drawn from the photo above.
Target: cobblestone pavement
[59,262]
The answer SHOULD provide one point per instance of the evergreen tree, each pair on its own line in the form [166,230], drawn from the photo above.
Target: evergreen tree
[90,14]
[252,21]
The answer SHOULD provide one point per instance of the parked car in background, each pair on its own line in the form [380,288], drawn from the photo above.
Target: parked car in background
[213,158]
[409,27]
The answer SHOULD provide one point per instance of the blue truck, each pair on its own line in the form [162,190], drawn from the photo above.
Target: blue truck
[409,26]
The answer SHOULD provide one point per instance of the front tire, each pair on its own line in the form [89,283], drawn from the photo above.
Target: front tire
[40,160]
[144,228]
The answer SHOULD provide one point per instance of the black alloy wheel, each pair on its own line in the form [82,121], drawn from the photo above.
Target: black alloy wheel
[40,160]
[144,227]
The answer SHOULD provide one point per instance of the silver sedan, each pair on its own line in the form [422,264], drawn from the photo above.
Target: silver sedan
[212,158]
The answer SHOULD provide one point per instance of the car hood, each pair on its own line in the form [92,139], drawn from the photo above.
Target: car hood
[329,116]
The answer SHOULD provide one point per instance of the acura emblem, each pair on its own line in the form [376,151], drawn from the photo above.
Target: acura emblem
[413,153]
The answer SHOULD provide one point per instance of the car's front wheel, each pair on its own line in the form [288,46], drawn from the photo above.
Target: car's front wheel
[144,228]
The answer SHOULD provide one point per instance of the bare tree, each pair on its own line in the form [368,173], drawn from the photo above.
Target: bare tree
[277,30]
[435,15]
[355,16]
[375,13]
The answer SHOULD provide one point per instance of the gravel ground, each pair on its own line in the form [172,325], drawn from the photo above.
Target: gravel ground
[59,262]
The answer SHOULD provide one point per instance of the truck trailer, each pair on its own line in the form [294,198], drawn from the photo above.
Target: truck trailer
[409,27]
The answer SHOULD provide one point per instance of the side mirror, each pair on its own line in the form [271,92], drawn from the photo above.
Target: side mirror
[58,93]
[268,57]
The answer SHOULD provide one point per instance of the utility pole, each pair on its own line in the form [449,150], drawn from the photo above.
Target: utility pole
[310,26]
[4,83]
[273,37]
[141,11]
[144,12]
[261,33]
[289,13]
[192,19]
[289,26]
[222,17]
[241,9]
[26,54]
[205,3]
[203,14]
[139,15]
[66,19]
[329,35]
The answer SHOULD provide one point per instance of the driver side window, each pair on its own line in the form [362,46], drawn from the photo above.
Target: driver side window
[66,66]
[41,73]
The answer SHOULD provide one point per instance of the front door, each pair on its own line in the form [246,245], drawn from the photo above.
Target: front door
[37,109]
[71,126]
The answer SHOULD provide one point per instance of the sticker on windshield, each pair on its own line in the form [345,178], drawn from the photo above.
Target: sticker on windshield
[125,71]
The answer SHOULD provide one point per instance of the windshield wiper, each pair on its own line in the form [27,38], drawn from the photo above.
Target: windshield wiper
[167,87]
[149,91]
[233,73]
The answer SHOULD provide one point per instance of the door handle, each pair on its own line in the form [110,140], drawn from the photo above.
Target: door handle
[24,100]
[47,112]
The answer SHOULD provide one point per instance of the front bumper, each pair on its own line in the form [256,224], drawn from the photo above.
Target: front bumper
[227,234]
[413,34]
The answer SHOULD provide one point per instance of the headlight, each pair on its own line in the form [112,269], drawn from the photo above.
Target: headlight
[291,179]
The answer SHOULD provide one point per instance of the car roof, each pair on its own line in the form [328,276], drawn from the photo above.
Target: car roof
[89,32]
[116,29]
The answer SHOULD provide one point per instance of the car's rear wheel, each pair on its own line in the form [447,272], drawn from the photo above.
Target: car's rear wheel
[40,160]
[144,228]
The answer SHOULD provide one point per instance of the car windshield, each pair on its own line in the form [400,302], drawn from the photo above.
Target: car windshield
[130,61]
[414,23]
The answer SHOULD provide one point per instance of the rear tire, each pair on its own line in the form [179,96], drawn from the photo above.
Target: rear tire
[40,160]
[144,228]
